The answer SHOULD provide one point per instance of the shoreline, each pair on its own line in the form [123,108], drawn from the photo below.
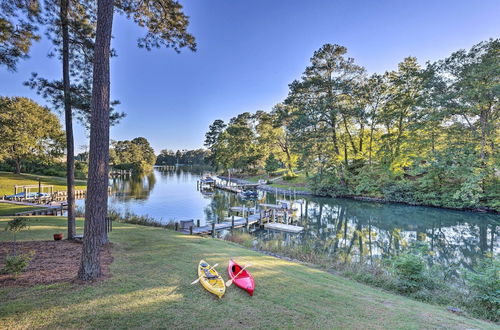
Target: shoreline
[289,192]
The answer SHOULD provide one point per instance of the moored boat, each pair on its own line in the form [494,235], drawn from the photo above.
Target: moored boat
[210,279]
[242,279]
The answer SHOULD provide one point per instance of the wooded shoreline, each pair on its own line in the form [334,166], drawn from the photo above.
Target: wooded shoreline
[368,199]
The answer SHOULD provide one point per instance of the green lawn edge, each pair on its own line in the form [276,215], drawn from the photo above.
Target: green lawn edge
[150,288]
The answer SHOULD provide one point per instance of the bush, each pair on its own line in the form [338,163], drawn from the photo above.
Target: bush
[401,191]
[484,286]
[16,264]
[410,271]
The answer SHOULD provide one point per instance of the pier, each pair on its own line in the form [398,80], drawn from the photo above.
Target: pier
[264,218]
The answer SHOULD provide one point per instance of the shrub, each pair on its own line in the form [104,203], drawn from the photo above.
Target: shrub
[401,191]
[16,264]
[410,270]
[14,226]
[484,286]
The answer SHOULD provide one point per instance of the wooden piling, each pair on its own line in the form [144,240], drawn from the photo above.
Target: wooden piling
[213,229]
[176,226]
[198,223]
[190,230]
[232,223]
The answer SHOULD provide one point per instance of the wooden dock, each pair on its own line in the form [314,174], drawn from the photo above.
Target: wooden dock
[263,219]
[233,189]
[228,223]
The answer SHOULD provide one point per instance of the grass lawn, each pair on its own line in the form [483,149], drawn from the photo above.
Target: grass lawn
[9,180]
[298,183]
[10,209]
[150,288]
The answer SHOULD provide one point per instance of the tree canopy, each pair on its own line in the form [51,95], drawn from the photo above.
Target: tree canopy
[418,134]
[28,131]
[136,155]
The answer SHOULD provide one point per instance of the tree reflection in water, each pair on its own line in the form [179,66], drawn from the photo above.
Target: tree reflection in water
[346,230]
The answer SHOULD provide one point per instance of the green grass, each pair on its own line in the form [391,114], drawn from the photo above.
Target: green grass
[10,209]
[298,183]
[150,288]
[9,180]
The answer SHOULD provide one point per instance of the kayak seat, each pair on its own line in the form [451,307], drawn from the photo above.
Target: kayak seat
[209,275]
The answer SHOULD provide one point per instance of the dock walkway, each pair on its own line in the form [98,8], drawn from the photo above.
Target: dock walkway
[240,222]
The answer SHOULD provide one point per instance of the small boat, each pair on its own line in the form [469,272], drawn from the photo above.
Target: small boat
[210,279]
[244,280]
[249,194]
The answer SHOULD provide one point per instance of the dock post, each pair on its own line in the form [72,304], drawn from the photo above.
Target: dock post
[232,223]
[246,224]
[176,226]
[286,217]
[198,223]
[190,230]
[213,229]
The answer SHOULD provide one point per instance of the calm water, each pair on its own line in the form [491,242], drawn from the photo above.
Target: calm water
[345,228]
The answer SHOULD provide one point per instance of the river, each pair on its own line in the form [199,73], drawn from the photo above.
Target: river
[349,229]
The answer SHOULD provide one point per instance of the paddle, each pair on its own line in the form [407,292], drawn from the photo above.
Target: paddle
[229,282]
[199,278]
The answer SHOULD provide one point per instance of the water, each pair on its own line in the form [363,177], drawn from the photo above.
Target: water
[348,229]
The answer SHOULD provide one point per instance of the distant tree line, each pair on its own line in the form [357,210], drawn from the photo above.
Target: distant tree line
[183,157]
[418,134]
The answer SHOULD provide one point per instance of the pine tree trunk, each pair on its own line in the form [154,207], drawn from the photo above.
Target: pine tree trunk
[96,202]
[68,117]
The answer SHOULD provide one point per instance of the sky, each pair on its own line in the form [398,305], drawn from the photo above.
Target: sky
[248,53]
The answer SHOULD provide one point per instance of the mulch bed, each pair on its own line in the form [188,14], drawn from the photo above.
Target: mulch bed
[53,262]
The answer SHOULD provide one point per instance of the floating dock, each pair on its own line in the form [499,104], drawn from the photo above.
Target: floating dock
[283,227]
[263,219]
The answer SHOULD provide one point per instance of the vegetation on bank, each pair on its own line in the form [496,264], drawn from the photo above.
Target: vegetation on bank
[158,292]
[136,155]
[408,273]
[9,180]
[29,132]
[197,157]
[423,135]
[11,209]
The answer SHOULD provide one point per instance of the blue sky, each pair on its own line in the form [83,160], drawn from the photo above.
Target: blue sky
[249,51]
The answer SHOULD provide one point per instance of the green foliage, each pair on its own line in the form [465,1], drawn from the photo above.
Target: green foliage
[17,224]
[399,191]
[48,167]
[29,131]
[484,286]
[410,270]
[16,264]
[418,135]
[18,30]
[136,155]
[272,164]
[185,157]
[290,175]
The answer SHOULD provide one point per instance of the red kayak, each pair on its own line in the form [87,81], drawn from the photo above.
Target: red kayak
[244,280]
